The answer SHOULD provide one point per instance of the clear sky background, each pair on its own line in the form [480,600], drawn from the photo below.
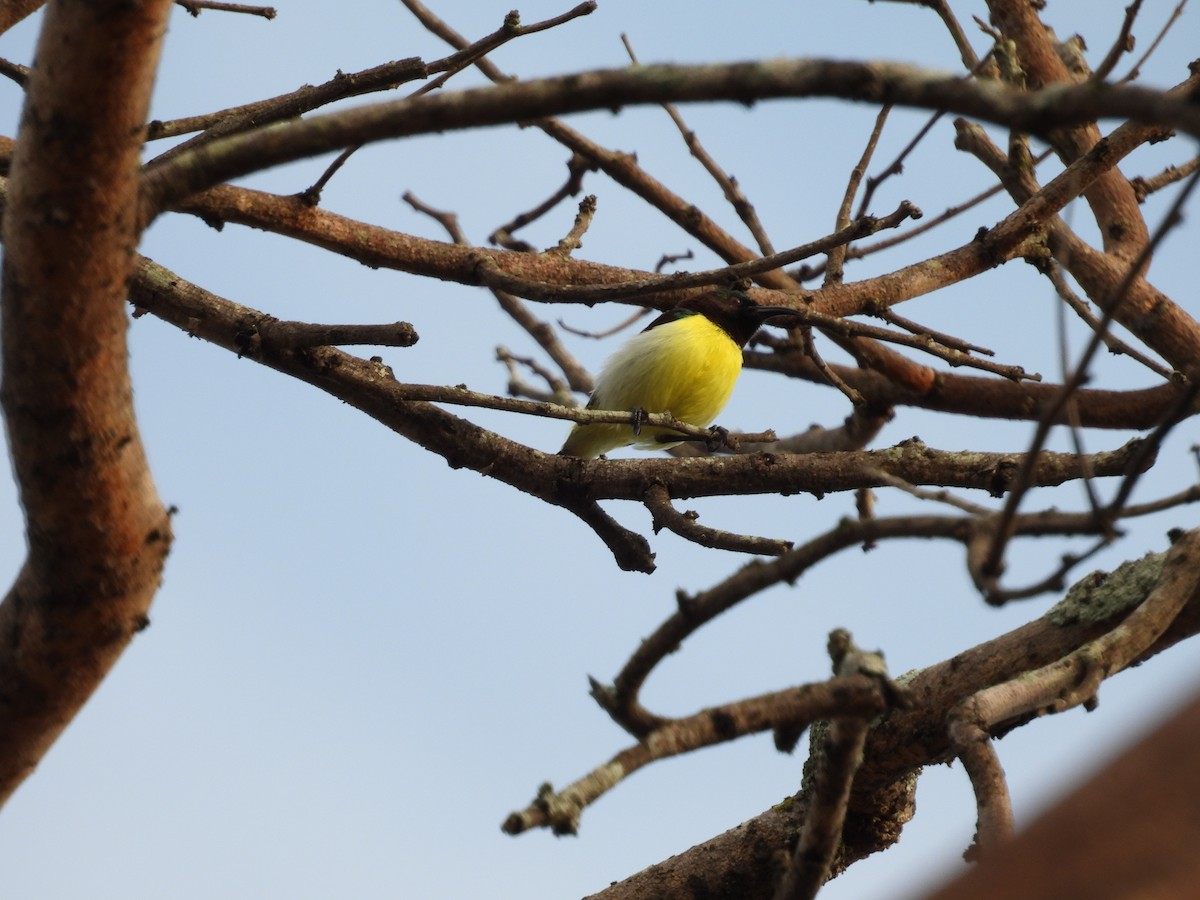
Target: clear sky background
[361,661]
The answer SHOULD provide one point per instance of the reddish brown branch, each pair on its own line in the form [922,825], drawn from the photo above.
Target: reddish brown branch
[98,534]
[13,11]
[1110,196]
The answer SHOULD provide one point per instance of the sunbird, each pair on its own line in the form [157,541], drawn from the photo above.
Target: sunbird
[684,362]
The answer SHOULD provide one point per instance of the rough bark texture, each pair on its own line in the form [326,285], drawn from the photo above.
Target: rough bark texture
[97,533]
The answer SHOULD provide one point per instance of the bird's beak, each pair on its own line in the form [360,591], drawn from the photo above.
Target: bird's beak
[765,314]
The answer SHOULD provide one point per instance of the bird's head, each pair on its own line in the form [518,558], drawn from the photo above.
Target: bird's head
[733,312]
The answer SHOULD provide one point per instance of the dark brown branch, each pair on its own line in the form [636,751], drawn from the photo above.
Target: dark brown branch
[678,281]
[990,397]
[621,700]
[235,155]
[283,335]
[195,6]
[851,695]
[369,387]
[575,484]
[898,745]
[828,791]
[658,501]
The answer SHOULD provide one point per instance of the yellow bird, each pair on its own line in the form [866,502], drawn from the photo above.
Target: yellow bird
[685,362]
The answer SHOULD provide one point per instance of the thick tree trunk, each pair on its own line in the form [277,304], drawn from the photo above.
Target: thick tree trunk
[97,533]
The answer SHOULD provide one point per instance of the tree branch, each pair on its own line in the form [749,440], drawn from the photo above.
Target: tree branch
[1034,112]
[98,535]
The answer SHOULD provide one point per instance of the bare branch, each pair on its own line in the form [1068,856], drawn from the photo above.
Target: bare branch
[1144,187]
[837,256]
[91,501]
[851,694]
[1066,683]
[829,791]
[1136,71]
[195,6]
[1121,45]
[1035,112]
[658,501]
[729,186]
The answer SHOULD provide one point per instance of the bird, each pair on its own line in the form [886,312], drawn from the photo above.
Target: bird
[684,362]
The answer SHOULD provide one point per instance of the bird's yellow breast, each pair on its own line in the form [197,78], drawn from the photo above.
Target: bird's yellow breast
[687,367]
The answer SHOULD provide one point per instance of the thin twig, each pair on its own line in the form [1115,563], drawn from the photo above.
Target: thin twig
[14,71]
[1136,71]
[560,391]
[835,262]
[577,376]
[608,332]
[510,30]
[1122,45]
[832,377]
[897,165]
[1114,344]
[1144,187]
[577,166]
[573,239]
[195,6]
[992,564]
[946,497]
[491,273]
[857,695]
[728,184]
[946,340]
[924,343]
[658,501]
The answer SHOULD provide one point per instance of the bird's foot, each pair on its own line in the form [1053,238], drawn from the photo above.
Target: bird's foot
[640,416]
[719,438]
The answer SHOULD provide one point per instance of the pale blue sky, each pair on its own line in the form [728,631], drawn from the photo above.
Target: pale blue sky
[361,661]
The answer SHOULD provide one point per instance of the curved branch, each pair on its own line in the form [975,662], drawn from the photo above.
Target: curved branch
[576,484]
[97,532]
[1035,112]
[899,744]
[849,694]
